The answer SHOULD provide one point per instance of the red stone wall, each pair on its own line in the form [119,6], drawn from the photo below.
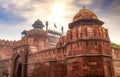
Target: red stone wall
[81,51]
[89,44]
[108,67]
[5,52]
[5,67]
[49,63]
[116,60]
[47,69]
[84,51]
[85,67]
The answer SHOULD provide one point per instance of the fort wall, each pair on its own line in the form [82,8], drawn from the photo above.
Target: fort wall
[116,60]
[5,67]
[68,46]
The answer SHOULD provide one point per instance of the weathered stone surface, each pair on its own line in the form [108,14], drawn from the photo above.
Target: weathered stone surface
[116,60]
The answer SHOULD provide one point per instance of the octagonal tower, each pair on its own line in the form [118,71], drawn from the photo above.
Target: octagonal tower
[88,47]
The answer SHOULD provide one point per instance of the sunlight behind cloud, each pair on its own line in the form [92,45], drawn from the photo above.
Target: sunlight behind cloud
[58,12]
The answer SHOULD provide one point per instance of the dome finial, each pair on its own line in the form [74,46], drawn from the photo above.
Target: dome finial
[84,4]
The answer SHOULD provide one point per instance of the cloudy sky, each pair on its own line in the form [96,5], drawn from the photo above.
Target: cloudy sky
[19,15]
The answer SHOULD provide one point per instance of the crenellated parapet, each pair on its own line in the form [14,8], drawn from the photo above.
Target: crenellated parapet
[88,32]
[12,44]
[23,42]
[6,49]
[18,43]
[7,43]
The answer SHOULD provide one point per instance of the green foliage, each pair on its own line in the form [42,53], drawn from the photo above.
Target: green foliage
[115,45]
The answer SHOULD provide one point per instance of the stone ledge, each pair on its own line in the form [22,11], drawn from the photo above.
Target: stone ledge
[90,55]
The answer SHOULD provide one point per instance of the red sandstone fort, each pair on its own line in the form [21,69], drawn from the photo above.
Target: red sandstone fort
[85,51]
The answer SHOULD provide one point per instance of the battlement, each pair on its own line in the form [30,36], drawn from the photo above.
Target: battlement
[6,43]
[13,44]
[88,32]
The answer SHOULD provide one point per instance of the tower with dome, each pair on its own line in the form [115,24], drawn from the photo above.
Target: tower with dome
[89,51]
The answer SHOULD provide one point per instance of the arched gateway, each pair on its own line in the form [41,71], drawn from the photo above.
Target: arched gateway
[18,67]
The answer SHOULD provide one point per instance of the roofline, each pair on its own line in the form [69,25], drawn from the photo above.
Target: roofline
[81,20]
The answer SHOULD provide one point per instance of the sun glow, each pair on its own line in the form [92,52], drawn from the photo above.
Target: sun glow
[58,12]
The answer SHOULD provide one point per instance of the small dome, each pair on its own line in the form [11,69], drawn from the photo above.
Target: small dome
[84,14]
[38,22]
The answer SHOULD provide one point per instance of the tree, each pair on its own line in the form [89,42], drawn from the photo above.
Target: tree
[115,45]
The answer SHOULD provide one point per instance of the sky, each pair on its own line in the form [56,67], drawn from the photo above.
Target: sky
[19,15]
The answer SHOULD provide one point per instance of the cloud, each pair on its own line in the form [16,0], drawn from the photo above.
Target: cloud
[33,9]
[24,12]
[29,11]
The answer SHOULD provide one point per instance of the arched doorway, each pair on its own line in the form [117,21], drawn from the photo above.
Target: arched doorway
[18,66]
[19,70]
